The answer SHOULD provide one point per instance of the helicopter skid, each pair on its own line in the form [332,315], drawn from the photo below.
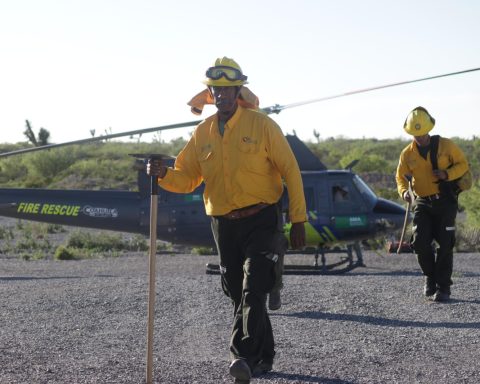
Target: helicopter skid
[345,264]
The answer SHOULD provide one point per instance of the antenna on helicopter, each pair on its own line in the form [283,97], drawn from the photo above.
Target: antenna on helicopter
[350,165]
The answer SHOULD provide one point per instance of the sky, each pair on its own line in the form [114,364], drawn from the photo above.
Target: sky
[109,66]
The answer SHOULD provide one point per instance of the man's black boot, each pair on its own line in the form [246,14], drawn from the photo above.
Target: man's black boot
[274,300]
[430,287]
[442,294]
[262,368]
[240,370]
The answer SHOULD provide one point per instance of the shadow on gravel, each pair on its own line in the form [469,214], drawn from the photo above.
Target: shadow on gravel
[375,271]
[372,320]
[28,278]
[383,272]
[453,301]
[304,378]
[467,274]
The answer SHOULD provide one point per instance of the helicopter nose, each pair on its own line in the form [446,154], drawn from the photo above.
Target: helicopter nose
[388,215]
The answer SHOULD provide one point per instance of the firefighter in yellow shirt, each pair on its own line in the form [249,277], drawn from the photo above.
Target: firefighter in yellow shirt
[243,158]
[436,205]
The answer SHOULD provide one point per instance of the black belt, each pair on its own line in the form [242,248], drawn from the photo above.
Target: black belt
[433,197]
[245,212]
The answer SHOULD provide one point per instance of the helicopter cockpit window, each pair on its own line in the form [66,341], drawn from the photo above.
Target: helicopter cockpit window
[365,190]
[340,193]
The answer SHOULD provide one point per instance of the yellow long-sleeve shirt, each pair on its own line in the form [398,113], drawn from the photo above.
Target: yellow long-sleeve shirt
[244,167]
[450,159]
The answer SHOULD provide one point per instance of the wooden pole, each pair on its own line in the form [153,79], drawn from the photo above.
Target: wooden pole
[151,259]
[404,229]
[407,214]
[151,274]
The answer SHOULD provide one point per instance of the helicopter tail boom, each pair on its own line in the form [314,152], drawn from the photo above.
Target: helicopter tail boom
[110,210]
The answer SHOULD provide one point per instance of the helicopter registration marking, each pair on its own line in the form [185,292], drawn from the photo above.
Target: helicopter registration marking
[49,209]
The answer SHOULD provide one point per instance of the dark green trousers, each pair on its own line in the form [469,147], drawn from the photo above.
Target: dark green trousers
[246,249]
[435,220]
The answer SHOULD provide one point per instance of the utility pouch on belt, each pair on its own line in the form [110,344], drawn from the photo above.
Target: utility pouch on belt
[449,187]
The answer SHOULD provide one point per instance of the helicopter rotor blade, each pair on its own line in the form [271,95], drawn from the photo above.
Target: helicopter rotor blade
[100,138]
[278,108]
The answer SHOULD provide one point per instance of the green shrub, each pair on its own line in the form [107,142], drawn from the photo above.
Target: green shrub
[32,244]
[203,251]
[64,253]
[55,228]
[99,242]
[104,241]
[137,243]
[33,238]
[162,246]
[34,255]
[6,233]
[467,238]
[11,170]
[470,201]
[48,164]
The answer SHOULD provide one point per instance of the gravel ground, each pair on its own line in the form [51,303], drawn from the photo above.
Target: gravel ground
[85,322]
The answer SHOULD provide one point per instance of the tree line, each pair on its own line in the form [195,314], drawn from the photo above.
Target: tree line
[107,165]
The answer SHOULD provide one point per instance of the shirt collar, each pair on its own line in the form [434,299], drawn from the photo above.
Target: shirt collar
[233,120]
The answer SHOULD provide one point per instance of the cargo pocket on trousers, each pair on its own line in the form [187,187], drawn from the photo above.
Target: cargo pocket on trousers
[262,272]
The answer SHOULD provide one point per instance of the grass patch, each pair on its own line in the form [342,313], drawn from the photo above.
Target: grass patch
[467,239]
[203,251]
[86,244]
[64,253]
[98,242]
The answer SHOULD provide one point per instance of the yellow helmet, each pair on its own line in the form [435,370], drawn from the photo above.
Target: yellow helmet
[225,73]
[418,122]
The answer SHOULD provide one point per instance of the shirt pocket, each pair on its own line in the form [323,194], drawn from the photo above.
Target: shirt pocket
[251,158]
[249,146]
[207,163]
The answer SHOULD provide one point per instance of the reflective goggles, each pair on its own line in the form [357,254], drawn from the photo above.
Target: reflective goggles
[229,73]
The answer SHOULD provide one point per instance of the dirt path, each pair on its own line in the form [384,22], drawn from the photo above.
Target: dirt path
[85,322]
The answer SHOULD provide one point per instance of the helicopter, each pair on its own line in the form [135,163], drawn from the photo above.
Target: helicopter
[358,215]
[341,207]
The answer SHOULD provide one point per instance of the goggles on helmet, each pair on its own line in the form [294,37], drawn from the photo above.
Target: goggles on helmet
[229,73]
